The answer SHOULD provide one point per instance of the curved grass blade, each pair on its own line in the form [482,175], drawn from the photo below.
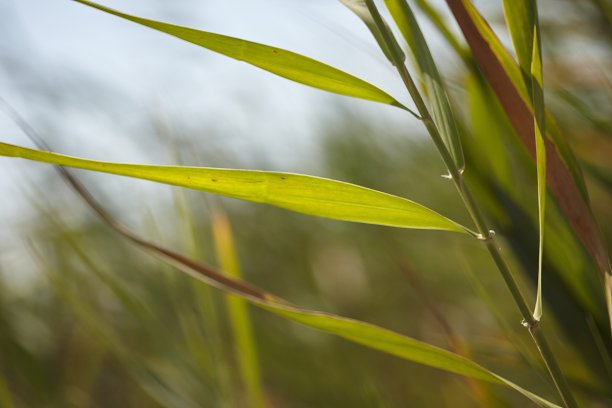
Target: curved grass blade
[540,130]
[432,81]
[357,331]
[305,194]
[360,8]
[281,62]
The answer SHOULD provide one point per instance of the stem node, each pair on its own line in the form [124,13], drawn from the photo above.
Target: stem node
[488,237]
[532,326]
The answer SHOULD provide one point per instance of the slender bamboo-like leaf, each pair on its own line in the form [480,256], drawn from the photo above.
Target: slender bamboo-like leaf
[563,175]
[281,62]
[522,20]
[435,89]
[540,130]
[240,320]
[305,194]
[357,331]
[360,8]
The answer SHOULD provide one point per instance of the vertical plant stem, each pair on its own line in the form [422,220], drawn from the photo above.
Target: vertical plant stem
[240,320]
[476,215]
[205,308]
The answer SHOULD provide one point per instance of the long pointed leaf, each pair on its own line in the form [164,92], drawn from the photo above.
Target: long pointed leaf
[281,62]
[522,19]
[359,332]
[305,194]
[540,130]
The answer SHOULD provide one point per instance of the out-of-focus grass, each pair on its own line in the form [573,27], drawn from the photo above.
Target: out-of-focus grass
[105,325]
[108,325]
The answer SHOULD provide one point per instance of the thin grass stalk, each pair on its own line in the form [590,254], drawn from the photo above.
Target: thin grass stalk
[485,234]
[238,311]
[203,326]
[203,297]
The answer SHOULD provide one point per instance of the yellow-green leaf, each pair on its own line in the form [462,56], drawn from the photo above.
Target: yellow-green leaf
[396,344]
[281,62]
[305,194]
[359,332]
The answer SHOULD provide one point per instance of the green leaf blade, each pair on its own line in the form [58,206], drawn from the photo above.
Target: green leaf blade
[396,344]
[305,194]
[540,130]
[359,332]
[278,61]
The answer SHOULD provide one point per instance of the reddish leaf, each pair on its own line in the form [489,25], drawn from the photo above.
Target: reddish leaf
[565,185]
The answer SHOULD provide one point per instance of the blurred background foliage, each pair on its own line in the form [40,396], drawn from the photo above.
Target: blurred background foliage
[99,323]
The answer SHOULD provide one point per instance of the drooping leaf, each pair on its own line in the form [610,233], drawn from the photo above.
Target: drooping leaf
[357,331]
[435,90]
[522,19]
[540,129]
[360,8]
[563,173]
[281,62]
[305,194]
[398,345]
